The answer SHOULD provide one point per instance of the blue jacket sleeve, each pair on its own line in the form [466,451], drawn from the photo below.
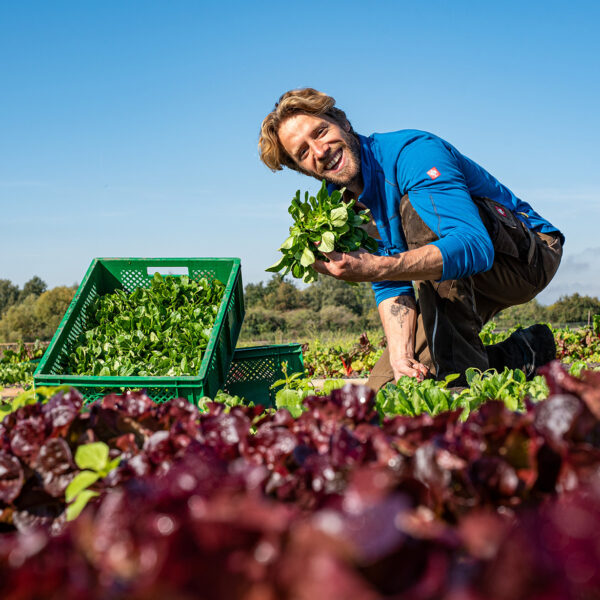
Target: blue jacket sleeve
[429,172]
[390,289]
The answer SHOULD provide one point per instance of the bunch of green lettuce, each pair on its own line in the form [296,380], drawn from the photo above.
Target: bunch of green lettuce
[322,224]
[157,331]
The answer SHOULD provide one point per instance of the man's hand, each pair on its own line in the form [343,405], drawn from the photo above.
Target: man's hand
[354,266]
[399,319]
[422,263]
[406,366]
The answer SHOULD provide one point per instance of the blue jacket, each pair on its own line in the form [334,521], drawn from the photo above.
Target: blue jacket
[439,182]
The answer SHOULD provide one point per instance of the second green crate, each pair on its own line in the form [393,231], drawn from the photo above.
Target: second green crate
[253,371]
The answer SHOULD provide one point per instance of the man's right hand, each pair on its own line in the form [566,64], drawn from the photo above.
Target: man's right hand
[406,366]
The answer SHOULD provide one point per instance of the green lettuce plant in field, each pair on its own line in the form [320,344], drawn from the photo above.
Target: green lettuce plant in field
[580,344]
[20,373]
[17,366]
[489,335]
[510,386]
[410,397]
[293,389]
[38,395]
[297,386]
[343,358]
[321,224]
[227,400]
[95,463]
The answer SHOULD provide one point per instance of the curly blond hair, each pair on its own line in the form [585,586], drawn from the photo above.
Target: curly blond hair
[305,100]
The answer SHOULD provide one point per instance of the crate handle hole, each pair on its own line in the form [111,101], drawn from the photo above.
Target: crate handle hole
[168,271]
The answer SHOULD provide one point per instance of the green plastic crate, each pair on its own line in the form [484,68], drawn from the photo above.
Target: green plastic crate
[253,371]
[108,274]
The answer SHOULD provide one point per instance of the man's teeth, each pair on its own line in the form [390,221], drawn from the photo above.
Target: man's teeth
[335,158]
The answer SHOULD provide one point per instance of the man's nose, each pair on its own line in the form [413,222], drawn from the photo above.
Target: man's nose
[320,149]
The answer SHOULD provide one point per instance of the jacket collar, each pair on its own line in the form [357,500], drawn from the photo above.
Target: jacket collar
[374,196]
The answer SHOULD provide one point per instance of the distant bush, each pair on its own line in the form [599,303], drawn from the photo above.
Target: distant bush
[19,322]
[50,308]
[523,314]
[337,318]
[301,322]
[572,309]
[371,319]
[36,317]
[567,309]
[260,321]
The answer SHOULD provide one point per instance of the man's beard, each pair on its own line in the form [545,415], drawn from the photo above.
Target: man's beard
[352,147]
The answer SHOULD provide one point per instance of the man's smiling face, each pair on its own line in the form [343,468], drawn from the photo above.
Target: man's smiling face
[322,148]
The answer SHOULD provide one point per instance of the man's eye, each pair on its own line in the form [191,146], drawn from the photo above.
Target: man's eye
[322,131]
[302,154]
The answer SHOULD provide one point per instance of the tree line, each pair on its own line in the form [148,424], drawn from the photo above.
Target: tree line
[277,307]
[573,309]
[33,312]
[333,305]
[330,305]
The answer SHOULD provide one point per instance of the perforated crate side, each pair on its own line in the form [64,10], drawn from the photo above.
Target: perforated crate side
[133,277]
[158,395]
[266,368]
[73,324]
[253,371]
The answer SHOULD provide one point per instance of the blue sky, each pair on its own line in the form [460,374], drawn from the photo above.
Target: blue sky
[129,128]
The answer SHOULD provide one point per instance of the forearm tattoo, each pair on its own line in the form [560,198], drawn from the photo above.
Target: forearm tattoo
[401,307]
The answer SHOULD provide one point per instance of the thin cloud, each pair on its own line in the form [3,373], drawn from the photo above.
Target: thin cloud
[588,197]
[578,273]
[23,184]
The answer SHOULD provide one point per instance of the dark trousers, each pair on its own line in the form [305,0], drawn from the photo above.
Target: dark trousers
[452,313]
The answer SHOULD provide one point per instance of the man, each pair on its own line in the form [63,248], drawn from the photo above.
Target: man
[471,247]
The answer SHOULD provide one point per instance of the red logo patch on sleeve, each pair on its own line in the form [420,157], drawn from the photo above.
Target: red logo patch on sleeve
[500,210]
[433,173]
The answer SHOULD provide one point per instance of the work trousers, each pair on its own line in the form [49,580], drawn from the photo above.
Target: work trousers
[452,313]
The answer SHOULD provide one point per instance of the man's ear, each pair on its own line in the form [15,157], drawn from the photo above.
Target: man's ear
[346,126]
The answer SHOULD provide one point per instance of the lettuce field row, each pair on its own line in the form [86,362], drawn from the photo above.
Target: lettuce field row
[337,503]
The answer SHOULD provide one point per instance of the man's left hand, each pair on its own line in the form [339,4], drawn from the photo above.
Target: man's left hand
[353,266]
